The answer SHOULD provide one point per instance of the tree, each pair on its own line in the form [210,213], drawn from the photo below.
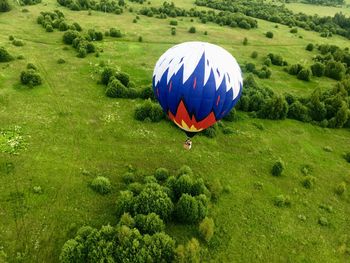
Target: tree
[192,30]
[295,69]
[277,168]
[153,199]
[317,108]
[275,108]
[69,36]
[304,74]
[149,224]
[191,209]
[310,47]
[335,70]
[30,78]
[298,111]
[206,228]
[4,6]
[318,69]
[5,55]
[269,34]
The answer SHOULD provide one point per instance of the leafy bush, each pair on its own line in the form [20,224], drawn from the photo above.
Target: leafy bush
[188,253]
[215,188]
[254,54]
[101,185]
[231,116]
[147,93]
[347,157]
[295,69]
[335,70]
[69,36]
[123,78]
[30,78]
[61,61]
[18,43]
[5,55]
[192,30]
[277,168]
[31,66]
[113,32]
[294,30]
[173,22]
[323,221]
[149,110]
[106,75]
[282,201]
[184,169]
[4,6]
[245,41]
[276,59]
[308,182]
[304,74]
[310,47]
[161,174]
[173,31]
[318,69]
[149,224]
[206,228]
[191,209]
[153,199]
[116,89]
[298,111]
[341,188]
[269,34]
[210,132]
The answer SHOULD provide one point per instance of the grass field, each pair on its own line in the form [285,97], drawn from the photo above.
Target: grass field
[319,10]
[72,132]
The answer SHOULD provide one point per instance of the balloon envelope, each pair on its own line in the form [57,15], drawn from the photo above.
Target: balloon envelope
[197,84]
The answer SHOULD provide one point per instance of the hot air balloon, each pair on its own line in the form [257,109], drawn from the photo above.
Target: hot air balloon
[197,84]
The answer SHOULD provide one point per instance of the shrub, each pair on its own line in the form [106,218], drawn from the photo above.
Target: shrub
[82,52]
[277,168]
[310,47]
[206,228]
[215,188]
[245,41]
[282,201]
[30,78]
[69,36]
[304,74]
[125,203]
[31,66]
[318,69]
[173,31]
[184,169]
[18,43]
[4,6]
[77,27]
[191,209]
[298,111]
[49,28]
[254,54]
[153,199]
[269,34]
[149,110]
[294,30]
[113,32]
[347,157]
[188,253]
[295,69]
[140,39]
[149,224]
[63,26]
[101,185]
[267,62]
[275,108]
[210,132]
[61,61]
[228,130]
[4,55]
[308,182]
[116,89]
[323,221]
[173,23]
[161,174]
[147,93]
[192,30]
[276,59]
[335,70]
[341,188]
[127,220]
[106,75]
[123,78]
[250,67]
[11,38]
[136,188]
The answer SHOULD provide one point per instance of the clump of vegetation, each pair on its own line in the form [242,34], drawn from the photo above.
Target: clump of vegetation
[149,111]
[310,47]
[173,23]
[173,31]
[17,43]
[318,69]
[161,174]
[254,54]
[347,157]
[61,61]
[206,228]
[278,168]
[245,41]
[107,6]
[192,30]
[5,55]
[323,221]
[341,188]
[308,182]
[282,201]
[31,76]
[304,74]
[294,30]
[269,34]
[4,6]
[101,185]
[113,32]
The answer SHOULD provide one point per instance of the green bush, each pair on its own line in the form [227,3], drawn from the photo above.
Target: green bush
[245,41]
[310,47]
[294,30]
[49,28]
[323,221]
[210,132]
[31,66]
[147,93]
[308,182]
[161,174]
[215,188]
[113,32]
[295,69]
[304,74]
[125,203]
[123,78]
[282,201]
[63,26]
[191,209]
[136,188]
[267,62]
[116,89]
[11,38]
[18,43]
[61,61]
[69,36]
[82,52]
[149,110]
[269,34]
[30,78]
[149,224]
[254,54]
[231,116]
[4,6]
[347,157]
[206,228]
[341,188]
[173,22]
[318,69]
[335,70]
[153,199]
[184,169]
[277,168]
[5,55]
[192,30]
[173,31]
[101,185]
[188,253]
[106,75]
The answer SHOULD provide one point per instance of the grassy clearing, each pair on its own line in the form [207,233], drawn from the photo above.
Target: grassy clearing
[73,133]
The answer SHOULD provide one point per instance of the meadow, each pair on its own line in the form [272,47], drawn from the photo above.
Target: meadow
[71,132]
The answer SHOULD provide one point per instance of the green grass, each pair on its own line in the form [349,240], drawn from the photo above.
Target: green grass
[71,127]
[319,10]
